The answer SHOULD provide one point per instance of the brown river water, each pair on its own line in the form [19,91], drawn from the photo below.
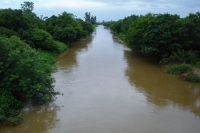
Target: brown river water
[106,88]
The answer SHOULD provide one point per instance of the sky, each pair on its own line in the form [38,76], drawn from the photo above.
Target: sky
[107,9]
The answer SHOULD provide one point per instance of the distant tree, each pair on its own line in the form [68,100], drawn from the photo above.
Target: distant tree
[89,18]
[27,6]
[93,20]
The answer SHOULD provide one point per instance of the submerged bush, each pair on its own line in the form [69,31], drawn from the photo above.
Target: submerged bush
[24,75]
[178,69]
[9,106]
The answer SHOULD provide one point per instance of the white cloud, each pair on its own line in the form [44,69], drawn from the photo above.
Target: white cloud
[70,3]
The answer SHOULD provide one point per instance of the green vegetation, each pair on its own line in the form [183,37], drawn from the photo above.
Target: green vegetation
[192,77]
[185,70]
[61,47]
[29,45]
[90,19]
[24,76]
[172,39]
[179,69]
[66,28]
[48,56]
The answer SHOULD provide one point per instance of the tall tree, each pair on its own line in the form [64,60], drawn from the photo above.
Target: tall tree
[89,18]
[27,6]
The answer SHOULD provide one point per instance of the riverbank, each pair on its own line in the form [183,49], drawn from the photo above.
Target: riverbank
[191,74]
[186,72]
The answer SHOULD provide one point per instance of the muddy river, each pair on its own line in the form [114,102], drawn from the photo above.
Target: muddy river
[106,88]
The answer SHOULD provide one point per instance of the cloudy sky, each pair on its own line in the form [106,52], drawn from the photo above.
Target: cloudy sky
[107,9]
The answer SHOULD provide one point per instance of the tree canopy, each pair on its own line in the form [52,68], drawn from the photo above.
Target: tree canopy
[163,35]
[28,46]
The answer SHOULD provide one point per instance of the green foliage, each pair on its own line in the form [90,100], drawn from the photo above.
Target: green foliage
[34,21]
[66,28]
[158,37]
[116,27]
[178,69]
[192,77]
[9,107]
[121,36]
[171,38]
[47,56]
[87,27]
[24,75]
[89,18]
[187,31]
[23,71]
[28,50]
[13,20]
[27,6]
[61,47]
[127,21]
[109,24]
[181,56]
[42,39]
[197,63]
[136,31]
[7,32]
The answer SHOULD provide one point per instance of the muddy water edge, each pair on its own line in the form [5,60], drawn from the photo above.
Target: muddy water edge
[106,88]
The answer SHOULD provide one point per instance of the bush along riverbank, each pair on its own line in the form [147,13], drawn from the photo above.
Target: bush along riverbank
[29,45]
[172,39]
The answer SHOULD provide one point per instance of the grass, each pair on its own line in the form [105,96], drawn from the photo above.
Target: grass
[192,77]
[49,57]
[9,108]
[179,69]
[121,36]
[61,47]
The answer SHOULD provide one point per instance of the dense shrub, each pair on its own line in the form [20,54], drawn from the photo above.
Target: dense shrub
[13,19]
[9,108]
[181,56]
[26,58]
[7,32]
[42,39]
[66,28]
[24,75]
[171,38]
[192,77]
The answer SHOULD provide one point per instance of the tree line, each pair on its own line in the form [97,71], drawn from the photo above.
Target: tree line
[174,40]
[29,44]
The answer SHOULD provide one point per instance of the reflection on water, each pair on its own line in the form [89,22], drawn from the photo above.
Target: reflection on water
[106,88]
[39,119]
[161,89]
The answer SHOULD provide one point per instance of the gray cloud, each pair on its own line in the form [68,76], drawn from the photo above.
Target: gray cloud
[111,9]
